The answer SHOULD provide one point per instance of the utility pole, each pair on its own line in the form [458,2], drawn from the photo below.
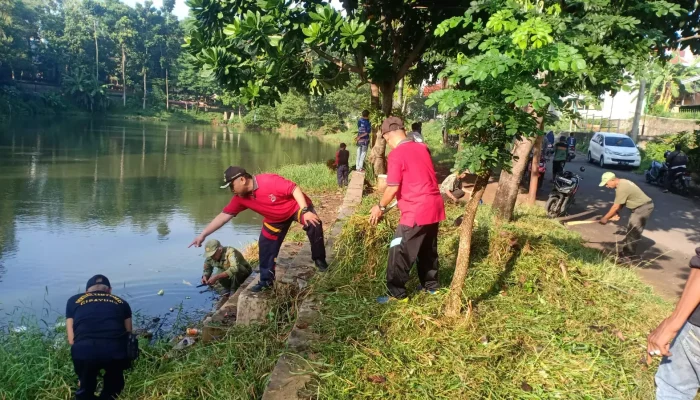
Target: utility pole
[638,110]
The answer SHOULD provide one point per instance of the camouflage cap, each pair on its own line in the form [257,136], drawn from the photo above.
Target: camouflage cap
[210,247]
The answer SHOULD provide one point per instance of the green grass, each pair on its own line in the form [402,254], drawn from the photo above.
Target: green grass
[37,366]
[312,178]
[533,332]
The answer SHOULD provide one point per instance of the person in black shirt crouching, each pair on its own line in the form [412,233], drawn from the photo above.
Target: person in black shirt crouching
[98,324]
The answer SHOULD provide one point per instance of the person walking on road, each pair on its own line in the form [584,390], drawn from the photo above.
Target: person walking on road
[98,325]
[411,179]
[629,195]
[341,161]
[677,340]
[364,129]
[231,267]
[280,202]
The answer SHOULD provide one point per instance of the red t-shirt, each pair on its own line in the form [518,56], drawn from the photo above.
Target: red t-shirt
[411,169]
[272,198]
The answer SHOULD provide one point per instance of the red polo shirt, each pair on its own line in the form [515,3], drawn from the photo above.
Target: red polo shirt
[411,169]
[271,197]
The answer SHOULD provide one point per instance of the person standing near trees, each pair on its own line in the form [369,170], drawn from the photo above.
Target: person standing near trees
[364,129]
[280,202]
[411,179]
[341,161]
[561,151]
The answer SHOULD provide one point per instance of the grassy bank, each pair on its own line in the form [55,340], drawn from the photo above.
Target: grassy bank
[553,319]
[36,364]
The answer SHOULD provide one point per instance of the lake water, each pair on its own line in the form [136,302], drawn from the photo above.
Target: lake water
[123,199]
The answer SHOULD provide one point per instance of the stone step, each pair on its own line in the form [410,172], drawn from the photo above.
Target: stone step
[254,307]
[292,372]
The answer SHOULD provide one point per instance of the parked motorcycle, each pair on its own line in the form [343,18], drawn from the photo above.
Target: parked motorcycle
[572,153]
[562,195]
[549,151]
[656,175]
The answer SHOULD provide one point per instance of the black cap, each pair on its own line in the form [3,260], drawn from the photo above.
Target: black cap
[230,174]
[97,280]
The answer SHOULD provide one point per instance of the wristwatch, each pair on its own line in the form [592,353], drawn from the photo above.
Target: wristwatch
[305,210]
[381,208]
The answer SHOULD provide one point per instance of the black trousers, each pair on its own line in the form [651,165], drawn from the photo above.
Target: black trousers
[557,168]
[342,175]
[272,235]
[411,243]
[92,356]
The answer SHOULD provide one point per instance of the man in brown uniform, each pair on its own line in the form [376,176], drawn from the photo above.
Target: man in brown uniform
[631,196]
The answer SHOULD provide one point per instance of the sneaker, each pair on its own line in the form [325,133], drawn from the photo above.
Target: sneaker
[429,291]
[322,265]
[387,299]
[261,286]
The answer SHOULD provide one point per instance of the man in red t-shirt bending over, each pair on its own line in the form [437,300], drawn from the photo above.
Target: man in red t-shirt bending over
[411,178]
[280,202]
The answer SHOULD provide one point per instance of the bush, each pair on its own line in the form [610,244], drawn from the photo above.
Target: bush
[655,149]
[261,118]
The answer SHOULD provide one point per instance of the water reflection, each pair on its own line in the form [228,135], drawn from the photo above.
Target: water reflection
[123,199]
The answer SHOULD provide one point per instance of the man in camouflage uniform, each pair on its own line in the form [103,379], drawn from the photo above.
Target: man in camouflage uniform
[232,269]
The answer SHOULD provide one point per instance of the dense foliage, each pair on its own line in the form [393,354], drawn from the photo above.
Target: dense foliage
[87,48]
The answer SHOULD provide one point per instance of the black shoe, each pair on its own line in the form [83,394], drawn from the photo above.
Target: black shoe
[322,265]
[261,286]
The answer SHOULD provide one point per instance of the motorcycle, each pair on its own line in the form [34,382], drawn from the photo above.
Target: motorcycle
[656,175]
[572,153]
[549,150]
[562,195]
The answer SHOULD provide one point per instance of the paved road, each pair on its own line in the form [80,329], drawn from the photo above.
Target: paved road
[670,237]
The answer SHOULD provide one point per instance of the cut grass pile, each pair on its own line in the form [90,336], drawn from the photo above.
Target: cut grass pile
[549,319]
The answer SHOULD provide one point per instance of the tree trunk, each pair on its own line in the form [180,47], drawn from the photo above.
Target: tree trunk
[535,171]
[97,52]
[167,94]
[453,305]
[378,154]
[123,76]
[509,182]
[143,70]
[240,118]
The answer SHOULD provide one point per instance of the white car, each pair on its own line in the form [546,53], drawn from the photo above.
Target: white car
[607,148]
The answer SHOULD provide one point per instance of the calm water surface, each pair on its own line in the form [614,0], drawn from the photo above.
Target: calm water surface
[123,199]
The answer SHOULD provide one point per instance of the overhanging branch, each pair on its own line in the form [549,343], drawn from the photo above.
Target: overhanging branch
[412,57]
[340,63]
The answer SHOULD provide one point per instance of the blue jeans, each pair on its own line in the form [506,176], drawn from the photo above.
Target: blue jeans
[677,377]
[361,153]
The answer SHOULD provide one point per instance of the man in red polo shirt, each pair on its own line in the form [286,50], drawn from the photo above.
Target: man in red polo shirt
[411,179]
[280,202]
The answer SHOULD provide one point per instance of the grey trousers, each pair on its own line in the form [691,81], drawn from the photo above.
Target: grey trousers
[635,227]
